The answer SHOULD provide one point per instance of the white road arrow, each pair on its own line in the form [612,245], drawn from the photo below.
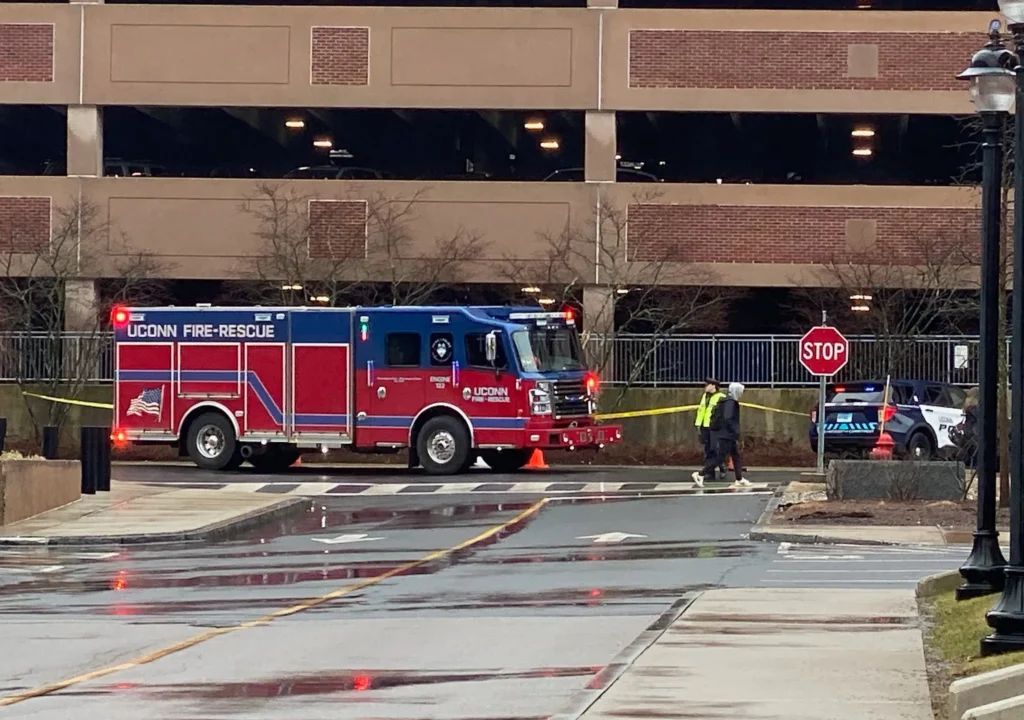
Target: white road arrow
[346,539]
[612,537]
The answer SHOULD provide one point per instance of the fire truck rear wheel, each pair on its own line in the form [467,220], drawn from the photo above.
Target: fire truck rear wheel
[505,461]
[443,445]
[212,444]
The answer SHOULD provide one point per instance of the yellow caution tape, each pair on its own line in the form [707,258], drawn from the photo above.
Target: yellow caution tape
[69,401]
[775,410]
[686,408]
[646,413]
[606,416]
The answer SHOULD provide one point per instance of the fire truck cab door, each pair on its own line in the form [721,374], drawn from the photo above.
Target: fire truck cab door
[391,372]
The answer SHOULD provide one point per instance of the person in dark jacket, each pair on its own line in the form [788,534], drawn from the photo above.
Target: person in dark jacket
[725,433]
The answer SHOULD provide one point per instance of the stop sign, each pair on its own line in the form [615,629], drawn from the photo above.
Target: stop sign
[824,351]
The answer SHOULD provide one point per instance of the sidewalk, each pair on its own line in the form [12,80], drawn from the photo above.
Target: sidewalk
[799,654]
[800,492]
[137,513]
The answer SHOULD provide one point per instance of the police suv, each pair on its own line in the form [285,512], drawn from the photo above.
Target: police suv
[919,417]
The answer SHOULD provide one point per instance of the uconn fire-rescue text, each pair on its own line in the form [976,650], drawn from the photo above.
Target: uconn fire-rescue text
[257,332]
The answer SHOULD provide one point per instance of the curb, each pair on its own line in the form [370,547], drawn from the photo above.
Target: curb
[783,536]
[226,528]
[940,583]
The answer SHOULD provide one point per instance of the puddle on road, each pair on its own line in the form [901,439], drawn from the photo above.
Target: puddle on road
[337,682]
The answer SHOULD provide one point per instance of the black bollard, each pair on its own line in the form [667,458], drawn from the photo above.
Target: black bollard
[51,437]
[104,442]
[3,433]
[90,457]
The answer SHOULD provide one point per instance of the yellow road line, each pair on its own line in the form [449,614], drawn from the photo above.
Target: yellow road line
[267,619]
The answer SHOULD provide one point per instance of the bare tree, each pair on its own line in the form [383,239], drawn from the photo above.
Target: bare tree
[37,299]
[641,289]
[363,250]
[896,294]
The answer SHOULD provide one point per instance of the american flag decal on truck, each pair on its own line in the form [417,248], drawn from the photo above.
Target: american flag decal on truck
[148,402]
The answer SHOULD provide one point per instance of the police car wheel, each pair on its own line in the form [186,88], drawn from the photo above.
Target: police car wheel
[505,461]
[919,447]
[212,444]
[443,445]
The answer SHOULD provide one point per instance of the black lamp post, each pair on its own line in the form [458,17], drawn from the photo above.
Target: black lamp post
[992,92]
[1007,617]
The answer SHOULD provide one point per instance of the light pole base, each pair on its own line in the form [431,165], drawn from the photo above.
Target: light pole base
[1007,617]
[984,571]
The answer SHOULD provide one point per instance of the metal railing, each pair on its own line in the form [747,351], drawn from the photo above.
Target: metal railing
[642,360]
[40,357]
[773,360]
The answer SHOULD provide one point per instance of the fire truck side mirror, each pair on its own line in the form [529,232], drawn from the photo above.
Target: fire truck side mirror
[491,347]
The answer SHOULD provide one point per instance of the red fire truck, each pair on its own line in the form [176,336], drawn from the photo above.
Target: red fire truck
[228,385]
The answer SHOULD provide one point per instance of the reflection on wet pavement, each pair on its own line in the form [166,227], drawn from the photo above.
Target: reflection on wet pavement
[331,682]
[544,570]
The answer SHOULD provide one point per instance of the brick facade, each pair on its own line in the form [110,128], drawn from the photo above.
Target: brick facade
[801,235]
[337,229]
[340,56]
[26,53]
[24,223]
[799,60]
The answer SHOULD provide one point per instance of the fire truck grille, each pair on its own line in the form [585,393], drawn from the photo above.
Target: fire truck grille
[570,398]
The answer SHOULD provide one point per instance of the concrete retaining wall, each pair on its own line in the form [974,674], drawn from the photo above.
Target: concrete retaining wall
[29,487]
[660,430]
[982,690]
[1012,709]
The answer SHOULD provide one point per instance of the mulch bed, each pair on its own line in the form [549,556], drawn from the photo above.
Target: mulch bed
[885,512]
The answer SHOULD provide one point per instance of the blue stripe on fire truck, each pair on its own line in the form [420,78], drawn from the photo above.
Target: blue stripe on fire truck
[277,416]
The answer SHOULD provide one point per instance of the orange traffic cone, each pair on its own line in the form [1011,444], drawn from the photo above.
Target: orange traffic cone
[537,461]
[298,462]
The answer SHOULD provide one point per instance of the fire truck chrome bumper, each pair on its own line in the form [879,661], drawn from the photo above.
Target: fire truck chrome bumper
[570,438]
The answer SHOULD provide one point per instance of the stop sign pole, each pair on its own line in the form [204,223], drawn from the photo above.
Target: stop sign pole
[823,358]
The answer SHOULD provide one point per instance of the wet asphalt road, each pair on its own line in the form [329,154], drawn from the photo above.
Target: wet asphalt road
[517,625]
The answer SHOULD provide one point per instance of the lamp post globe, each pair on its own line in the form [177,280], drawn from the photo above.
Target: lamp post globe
[993,82]
[1013,10]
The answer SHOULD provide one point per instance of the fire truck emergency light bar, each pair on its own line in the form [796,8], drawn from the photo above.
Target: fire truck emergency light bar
[567,315]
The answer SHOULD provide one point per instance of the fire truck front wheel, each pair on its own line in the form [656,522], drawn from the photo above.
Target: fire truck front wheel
[443,445]
[212,444]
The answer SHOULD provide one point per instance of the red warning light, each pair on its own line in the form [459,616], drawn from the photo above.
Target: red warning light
[361,683]
[569,315]
[119,438]
[120,582]
[591,383]
[119,316]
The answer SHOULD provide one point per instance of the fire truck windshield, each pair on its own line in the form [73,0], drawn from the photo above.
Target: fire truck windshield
[548,349]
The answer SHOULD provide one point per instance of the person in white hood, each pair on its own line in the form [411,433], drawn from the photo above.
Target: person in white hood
[725,432]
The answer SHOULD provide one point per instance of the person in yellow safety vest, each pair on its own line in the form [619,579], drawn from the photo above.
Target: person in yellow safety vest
[711,397]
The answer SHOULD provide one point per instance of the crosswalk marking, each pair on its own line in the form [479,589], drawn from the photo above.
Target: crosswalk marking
[492,487]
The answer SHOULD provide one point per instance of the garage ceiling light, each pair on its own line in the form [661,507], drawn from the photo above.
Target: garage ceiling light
[323,143]
[534,125]
[863,152]
[550,144]
[295,123]
[863,132]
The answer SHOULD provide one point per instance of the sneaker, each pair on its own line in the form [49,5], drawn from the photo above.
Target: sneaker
[698,479]
[743,483]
